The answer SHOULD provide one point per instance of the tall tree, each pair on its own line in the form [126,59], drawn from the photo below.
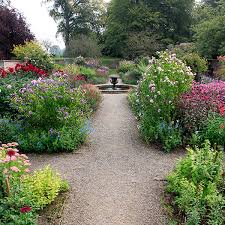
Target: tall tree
[13,31]
[74,17]
[166,20]
[210,30]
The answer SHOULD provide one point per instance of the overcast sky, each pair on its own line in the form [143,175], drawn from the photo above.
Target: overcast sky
[41,24]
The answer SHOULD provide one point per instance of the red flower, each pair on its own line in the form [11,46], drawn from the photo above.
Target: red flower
[11,152]
[18,66]
[11,70]
[222,110]
[3,73]
[25,209]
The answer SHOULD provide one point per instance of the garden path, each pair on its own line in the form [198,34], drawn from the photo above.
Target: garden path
[116,179]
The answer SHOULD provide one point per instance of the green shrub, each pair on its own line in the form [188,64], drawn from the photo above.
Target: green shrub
[197,187]
[89,74]
[126,66]
[131,77]
[214,130]
[35,54]
[45,185]
[156,98]
[52,116]
[84,46]
[197,63]
[15,203]
[9,86]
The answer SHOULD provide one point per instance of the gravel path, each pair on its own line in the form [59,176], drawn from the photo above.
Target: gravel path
[115,177]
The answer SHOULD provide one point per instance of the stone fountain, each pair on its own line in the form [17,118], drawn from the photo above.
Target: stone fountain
[115,86]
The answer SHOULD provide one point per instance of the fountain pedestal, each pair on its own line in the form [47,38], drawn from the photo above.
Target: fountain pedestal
[114,81]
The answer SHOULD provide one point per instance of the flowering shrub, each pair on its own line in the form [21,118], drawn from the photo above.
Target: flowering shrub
[51,114]
[102,71]
[126,66]
[155,100]
[15,204]
[90,75]
[196,187]
[21,193]
[33,52]
[92,95]
[197,104]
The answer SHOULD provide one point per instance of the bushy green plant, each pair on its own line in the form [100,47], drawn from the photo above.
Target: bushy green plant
[214,130]
[33,52]
[198,186]
[9,86]
[197,63]
[84,46]
[45,185]
[79,61]
[15,204]
[157,95]
[131,77]
[89,74]
[52,116]
[49,103]
[126,66]
[21,193]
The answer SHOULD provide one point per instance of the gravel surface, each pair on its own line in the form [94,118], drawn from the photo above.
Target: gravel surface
[116,179]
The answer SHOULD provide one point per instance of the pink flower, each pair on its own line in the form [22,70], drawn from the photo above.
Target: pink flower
[26,170]
[13,158]
[14,169]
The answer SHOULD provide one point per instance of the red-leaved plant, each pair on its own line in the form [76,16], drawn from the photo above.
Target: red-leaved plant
[203,99]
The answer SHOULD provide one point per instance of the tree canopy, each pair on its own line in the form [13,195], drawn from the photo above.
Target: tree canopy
[75,17]
[210,29]
[13,31]
[163,22]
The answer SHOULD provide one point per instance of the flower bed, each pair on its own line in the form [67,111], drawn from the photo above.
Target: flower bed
[45,114]
[23,194]
[196,188]
[156,98]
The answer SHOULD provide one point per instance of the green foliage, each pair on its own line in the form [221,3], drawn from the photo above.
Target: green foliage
[126,66]
[13,198]
[155,100]
[141,44]
[214,130]
[89,74]
[45,185]
[131,77]
[10,213]
[8,130]
[209,30]
[9,86]
[196,184]
[84,46]
[77,17]
[52,116]
[141,27]
[36,55]
[197,64]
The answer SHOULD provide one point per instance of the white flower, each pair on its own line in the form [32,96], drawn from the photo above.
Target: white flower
[9,86]
[151,101]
